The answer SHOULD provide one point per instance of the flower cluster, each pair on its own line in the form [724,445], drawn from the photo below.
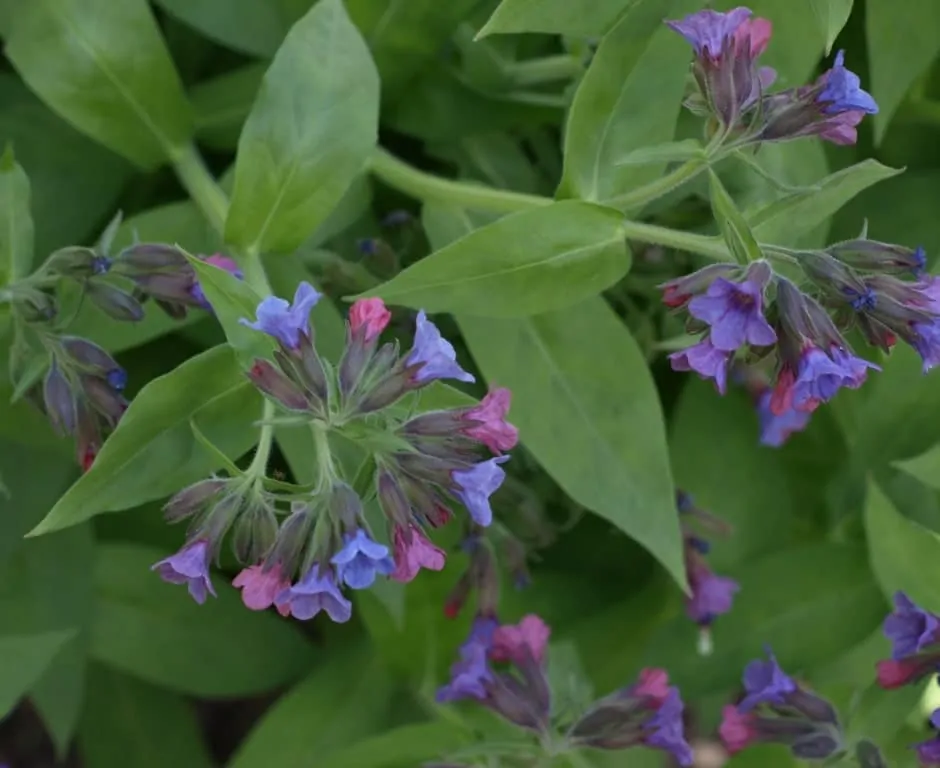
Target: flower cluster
[504,668]
[776,709]
[752,316]
[711,595]
[422,463]
[733,88]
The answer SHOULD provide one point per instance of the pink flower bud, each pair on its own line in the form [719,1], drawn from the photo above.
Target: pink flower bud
[370,313]
[653,682]
[259,588]
[515,642]
[736,729]
[413,551]
[493,431]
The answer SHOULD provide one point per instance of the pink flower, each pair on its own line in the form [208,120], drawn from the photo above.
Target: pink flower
[757,31]
[413,552]
[371,314]
[654,683]
[223,262]
[259,588]
[494,431]
[736,730]
[514,642]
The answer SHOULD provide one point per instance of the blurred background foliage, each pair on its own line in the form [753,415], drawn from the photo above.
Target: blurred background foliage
[105,666]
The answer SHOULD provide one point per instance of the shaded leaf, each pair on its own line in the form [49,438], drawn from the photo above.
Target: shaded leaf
[16,224]
[555,16]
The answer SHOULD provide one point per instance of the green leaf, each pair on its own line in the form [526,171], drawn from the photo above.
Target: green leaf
[904,555]
[153,453]
[734,227]
[402,747]
[16,226]
[222,104]
[783,221]
[901,46]
[832,15]
[311,130]
[925,467]
[233,300]
[879,714]
[111,76]
[130,724]
[809,603]
[343,700]
[405,36]
[555,16]
[60,693]
[255,27]
[640,61]
[25,658]
[156,632]
[529,262]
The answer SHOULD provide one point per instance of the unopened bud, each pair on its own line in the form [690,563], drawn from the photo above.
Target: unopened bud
[77,262]
[276,385]
[869,756]
[114,302]
[190,500]
[90,356]
[392,499]
[150,257]
[345,507]
[104,398]
[255,532]
[59,401]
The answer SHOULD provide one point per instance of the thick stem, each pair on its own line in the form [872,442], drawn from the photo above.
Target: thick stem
[640,196]
[426,186]
[202,188]
[327,470]
[711,247]
[546,70]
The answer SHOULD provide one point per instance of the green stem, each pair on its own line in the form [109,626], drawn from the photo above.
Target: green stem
[712,247]
[426,186]
[202,188]
[545,70]
[321,442]
[639,197]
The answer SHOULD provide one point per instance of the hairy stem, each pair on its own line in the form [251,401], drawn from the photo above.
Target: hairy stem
[545,70]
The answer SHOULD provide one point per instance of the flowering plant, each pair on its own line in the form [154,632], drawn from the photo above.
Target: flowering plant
[528,399]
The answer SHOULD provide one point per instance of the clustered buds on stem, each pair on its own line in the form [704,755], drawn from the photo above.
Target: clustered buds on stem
[423,462]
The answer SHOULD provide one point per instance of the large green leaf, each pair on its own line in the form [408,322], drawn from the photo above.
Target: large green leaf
[156,632]
[904,555]
[832,15]
[111,75]
[253,26]
[529,262]
[405,36]
[639,61]
[340,702]
[16,223]
[130,724]
[925,467]
[311,130]
[25,658]
[153,453]
[222,105]
[402,747]
[901,46]
[555,16]
[809,604]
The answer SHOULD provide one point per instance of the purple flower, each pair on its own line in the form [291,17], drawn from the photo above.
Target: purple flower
[712,595]
[189,566]
[819,378]
[434,354]
[842,91]
[476,485]
[315,593]
[468,677]
[117,379]
[855,368]
[910,628]
[705,360]
[707,31]
[286,322]
[775,429]
[928,752]
[765,683]
[665,729]
[361,559]
[734,312]
[926,341]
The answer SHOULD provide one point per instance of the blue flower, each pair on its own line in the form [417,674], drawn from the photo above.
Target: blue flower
[712,595]
[765,683]
[818,380]
[910,628]
[705,360]
[361,559]
[315,593]
[842,91]
[665,729]
[434,354]
[117,379]
[734,310]
[927,342]
[189,566]
[708,30]
[928,752]
[776,429]
[286,322]
[476,485]
[469,675]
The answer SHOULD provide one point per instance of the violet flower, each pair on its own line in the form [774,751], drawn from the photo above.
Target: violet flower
[189,566]
[315,593]
[287,323]
[432,355]
[474,487]
[360,560]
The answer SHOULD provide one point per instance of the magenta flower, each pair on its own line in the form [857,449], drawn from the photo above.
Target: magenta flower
[432,355]
[737,729]
[360,560]
[260,588]
[189,566]
[370,315]
[706,361]
[516,642]
[493,431]
[734,310]
[315,593]
[476,485]
[288,323]
[413,551]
